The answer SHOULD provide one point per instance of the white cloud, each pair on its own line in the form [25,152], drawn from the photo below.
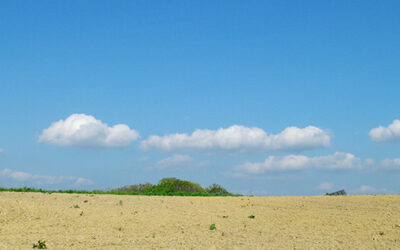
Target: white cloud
[83,182]
[369,162]
[365,189]
[325,186]
[337,161]
[385,134]
[241,138]
[2,152]
[384,165]
[42,180]
[86,131]
[174,161]
[390,164]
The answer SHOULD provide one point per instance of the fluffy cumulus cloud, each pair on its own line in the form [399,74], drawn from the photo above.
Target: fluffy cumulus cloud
[8,175]
[174,161]
[86,131]
[241,138]
[386,134]
[337,161]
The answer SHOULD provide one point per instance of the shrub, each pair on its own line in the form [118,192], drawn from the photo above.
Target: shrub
[40,245]
[173,185]
[217,189]
[138,188]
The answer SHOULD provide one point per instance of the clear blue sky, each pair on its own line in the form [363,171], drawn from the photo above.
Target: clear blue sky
[327,69]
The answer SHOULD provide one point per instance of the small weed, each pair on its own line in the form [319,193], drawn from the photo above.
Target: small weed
[153,236]
[40,245]
[81,213]
[76,206]
[223,234]
[120,229]
[381,233]
[225,216]
[85,201]
[252,216]
[120,202]
[212,227]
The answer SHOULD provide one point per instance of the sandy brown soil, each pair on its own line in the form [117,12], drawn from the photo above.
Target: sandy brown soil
[130,222]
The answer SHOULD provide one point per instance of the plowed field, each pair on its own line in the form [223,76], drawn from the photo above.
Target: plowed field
[76,221]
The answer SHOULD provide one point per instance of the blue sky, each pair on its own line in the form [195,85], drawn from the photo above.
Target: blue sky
[282,97]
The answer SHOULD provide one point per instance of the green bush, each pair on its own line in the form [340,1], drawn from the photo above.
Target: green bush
[174,185]
[217,189]
[139,188]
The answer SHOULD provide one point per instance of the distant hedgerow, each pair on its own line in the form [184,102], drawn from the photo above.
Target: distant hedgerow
[165,187]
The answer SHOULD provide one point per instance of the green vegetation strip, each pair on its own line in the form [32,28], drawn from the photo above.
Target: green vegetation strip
[165,187]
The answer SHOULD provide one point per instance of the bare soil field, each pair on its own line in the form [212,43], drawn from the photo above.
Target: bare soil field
[80,221]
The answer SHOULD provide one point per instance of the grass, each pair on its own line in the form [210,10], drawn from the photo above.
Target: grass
[252,216]
[40,245]
[212,227]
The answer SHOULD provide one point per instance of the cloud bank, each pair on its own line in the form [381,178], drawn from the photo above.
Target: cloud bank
[86,131]
[365,189]
[390,164]
[42,180]
[337,161]
[241,138]
[386,134]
